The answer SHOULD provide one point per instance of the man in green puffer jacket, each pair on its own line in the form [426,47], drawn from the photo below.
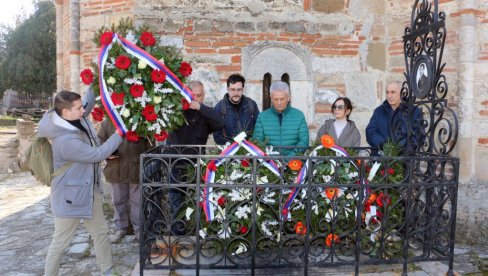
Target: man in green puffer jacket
[282,125]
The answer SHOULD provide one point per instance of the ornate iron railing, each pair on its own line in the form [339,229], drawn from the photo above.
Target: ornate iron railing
[330,223]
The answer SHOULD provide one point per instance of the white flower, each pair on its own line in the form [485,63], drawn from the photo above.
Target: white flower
[157,99]
[329,215]
[111,80]
[241,248]
[203,233]
[353,175]
[125,112]
[327,178]
[315,209]
[270,151]
[141,65]
[161,60]
[243,211]
[224,233]
[131,37]
[188,213]
[262,180]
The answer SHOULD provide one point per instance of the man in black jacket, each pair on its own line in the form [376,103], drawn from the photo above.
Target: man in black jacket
[202,121]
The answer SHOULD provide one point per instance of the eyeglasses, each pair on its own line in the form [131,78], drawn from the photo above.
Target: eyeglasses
[338,107]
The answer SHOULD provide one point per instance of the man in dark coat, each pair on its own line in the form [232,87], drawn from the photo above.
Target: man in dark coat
[238,111]
[378,129]
[202,121]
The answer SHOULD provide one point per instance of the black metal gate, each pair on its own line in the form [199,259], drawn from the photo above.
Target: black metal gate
[348,211]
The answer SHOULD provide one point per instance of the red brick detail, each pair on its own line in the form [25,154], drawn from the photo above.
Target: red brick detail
[229,68]
[236,59]
[75,53]
[223,43]
[485,103]
[484,112]
[306,5]
[445,1]
[197,44]
[229,51]
[475,12]
[483,141]
[326,52]
[205,51]
[322,108]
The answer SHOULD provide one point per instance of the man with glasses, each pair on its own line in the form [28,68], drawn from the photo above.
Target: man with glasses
[238,111]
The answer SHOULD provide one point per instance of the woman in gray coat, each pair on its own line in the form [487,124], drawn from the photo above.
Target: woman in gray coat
[343,130]
[75,193]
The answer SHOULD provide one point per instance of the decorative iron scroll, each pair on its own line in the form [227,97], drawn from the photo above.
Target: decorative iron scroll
[344,215]
[425,123]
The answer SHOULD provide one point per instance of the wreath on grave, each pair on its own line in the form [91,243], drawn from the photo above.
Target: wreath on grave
[139,84]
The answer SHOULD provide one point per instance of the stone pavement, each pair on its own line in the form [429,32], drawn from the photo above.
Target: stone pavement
[26,227]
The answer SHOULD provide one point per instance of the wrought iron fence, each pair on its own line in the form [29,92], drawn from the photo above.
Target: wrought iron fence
[341,214]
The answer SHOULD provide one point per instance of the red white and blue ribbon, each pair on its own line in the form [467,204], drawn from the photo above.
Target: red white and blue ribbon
[256,151]
[285,213]
[139,53]
[209,177]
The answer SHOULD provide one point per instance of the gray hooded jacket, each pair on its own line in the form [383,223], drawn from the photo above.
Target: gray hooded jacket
[72,191]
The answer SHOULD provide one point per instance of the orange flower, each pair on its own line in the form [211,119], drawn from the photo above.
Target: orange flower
[300,229]
[372,198]
[295,164]
[327,141]
[332,193]
[331,238]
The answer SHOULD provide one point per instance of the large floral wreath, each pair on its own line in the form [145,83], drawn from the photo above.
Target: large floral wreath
[280,212]
[139,83]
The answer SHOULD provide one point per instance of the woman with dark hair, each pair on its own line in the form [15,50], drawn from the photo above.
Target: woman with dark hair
[343,130]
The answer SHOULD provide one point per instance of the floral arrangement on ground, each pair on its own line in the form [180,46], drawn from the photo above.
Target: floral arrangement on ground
[141,80]
[331,189]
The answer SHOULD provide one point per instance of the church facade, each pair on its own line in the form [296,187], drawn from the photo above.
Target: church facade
[323,49]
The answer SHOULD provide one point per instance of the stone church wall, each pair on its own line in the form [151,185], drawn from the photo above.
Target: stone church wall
[328,48]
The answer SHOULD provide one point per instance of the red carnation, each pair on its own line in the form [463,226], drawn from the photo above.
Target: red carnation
[243,229]
[106,38]
[161,136]
[245,163]
[185,104]
[383,199]
[149,113]
[122,62]
[391,171]
[86,76]
[185,69]
[221,201]
[158,76]
[212,167]
[147,39]
[97,114]
[132,136]
[117,98]
[136,90]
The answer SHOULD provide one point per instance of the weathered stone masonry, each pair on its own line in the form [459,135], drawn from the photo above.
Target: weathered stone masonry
[327,48]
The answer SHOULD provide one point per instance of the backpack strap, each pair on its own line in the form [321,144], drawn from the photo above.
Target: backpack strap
[61,170]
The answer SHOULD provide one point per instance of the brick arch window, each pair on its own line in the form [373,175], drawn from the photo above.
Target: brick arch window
[267,79]
[266,84]
[286,78]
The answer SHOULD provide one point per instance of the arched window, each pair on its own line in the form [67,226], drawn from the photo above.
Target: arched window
[286,78]
[266,84]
